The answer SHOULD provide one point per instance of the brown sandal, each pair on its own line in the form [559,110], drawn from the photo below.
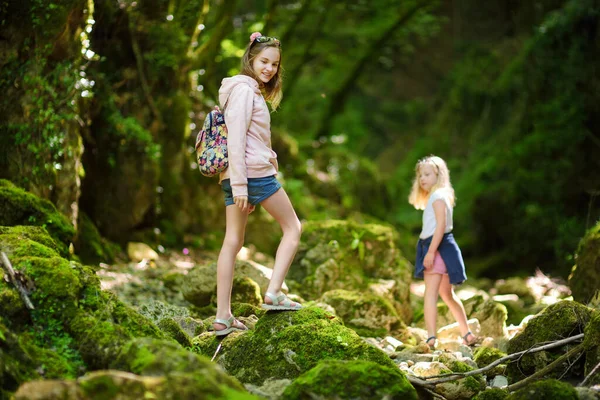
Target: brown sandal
[469,342]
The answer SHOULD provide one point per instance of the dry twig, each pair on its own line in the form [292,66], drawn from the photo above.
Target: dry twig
[15,281]
[434,380]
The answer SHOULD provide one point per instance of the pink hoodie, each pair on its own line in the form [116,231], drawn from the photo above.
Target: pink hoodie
[248,133]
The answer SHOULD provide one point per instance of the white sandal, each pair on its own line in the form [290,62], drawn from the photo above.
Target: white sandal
[281,302]
[228,326]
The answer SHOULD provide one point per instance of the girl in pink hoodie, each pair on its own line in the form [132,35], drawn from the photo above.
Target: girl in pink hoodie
[251,176]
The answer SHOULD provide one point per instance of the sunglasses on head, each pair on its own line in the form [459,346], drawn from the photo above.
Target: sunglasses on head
[266,39]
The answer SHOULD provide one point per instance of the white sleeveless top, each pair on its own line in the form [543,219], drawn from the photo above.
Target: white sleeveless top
[429,222]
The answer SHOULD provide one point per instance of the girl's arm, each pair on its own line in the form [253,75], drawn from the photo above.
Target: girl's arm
[238,114]
[439,208]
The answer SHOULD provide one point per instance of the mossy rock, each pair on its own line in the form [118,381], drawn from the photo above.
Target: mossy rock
[16,366]
[464,388]
[90,246]
[591,342]
[152,357]
[200,284]
[492,394]
[246,310]
[491,315]
[174,330]
[350,380]
[516,286]
[367,314]
[585,275]
[484,356]
[23,240]
[18,207]
[245,290]
[546,389]
[157,310]
[346,255]
[558,321]
[127,386]
[284,345]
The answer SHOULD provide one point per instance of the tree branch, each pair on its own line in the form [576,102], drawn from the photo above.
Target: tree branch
[434,380]
[518,385]
[15,281]
[140,67]
[338,99]
[201,18]
[292,78]
[271,8]
[590,375]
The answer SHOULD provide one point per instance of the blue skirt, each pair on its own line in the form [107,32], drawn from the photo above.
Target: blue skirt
[450,253]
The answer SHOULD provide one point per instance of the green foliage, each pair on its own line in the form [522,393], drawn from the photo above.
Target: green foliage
[514,129]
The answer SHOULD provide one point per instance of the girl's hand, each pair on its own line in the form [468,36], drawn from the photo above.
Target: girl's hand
[428,260]
[251,208]
[241,202]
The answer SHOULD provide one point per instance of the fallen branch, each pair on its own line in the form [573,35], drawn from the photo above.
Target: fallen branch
[434,380]
[590,375]
[518,385]
[12,275]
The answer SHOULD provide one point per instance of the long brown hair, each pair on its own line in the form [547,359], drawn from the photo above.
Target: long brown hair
[272,90]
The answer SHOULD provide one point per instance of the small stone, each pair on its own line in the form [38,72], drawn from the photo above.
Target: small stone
[140,251]
[499,381]
[393,342]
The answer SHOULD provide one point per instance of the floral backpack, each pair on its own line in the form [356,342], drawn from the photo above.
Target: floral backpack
[211,144]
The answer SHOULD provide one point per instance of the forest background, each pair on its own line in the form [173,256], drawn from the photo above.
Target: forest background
[102,101]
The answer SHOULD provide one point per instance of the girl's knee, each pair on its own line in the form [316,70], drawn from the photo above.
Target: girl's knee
[233,242]
[294,229]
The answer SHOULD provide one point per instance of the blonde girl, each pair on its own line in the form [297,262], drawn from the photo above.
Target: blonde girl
[251,176]
[439,260]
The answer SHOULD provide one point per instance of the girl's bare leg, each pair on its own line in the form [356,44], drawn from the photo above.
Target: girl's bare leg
[432,285]
[236,220]
[280,208]
[454,304]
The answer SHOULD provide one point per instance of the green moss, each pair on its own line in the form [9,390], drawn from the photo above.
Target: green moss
[91,247]
[591,342]
[245,290]
[366,313]
[18,207]
[54,278]
[567,318]
[492,394]
[158,310]
[209,384]
[484,356]
[246,310]
[54,362]
[154,357]
[16,366]
[286,344]
[546,389]
[338,254]
[11,306]
[585,275]
[173,330]
[20,241]
[350,380]
[453,364]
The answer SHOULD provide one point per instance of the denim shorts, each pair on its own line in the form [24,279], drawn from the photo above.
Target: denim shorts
[259,189]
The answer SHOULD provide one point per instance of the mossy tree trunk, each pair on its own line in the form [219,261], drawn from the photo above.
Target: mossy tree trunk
[137,161]
[43,85]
